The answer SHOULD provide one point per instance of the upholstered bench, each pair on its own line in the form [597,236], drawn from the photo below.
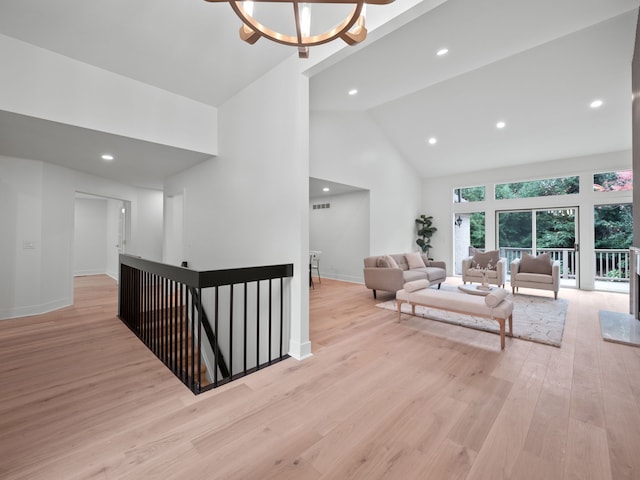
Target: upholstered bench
[494,306]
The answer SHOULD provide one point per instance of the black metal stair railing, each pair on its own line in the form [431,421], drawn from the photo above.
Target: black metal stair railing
[164,306]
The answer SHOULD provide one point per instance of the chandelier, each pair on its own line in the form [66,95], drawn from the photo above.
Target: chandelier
[352,29]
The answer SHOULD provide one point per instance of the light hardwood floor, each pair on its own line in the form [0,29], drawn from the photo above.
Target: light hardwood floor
[82,399]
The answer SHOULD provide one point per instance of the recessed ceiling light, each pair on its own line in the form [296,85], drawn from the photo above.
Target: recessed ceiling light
[596,104]
[442,51]
[107,157]
[501,124]
[353,91]
[326,189]
[433,141]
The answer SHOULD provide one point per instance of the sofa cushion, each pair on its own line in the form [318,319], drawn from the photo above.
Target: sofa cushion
[416,285]
[391,263]
[433,274]
[534,278]
[401,261]
[540,264]
[414,260]
[411,275]
[478,274]
[488,260]
[381,262]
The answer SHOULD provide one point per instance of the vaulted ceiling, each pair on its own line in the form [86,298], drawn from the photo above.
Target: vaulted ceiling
[534,65]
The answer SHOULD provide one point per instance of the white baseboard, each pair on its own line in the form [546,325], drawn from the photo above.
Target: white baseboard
[342,278]
[17,312]
[84,273]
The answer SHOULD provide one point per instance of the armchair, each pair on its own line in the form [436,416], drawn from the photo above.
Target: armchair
[536,272]
[495,277]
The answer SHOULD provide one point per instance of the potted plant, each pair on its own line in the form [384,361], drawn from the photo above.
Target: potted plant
[425,232]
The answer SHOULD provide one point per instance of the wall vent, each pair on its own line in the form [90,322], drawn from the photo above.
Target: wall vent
[319,206]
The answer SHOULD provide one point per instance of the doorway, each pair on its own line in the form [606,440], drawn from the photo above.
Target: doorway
[101,233]
[174,236]
[536,231]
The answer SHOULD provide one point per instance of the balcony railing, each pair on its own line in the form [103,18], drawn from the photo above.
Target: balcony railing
[611,264]
[245,330]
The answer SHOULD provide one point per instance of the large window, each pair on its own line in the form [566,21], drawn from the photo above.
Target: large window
[538,188]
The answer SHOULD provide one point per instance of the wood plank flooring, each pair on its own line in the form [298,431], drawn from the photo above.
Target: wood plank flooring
[81,398]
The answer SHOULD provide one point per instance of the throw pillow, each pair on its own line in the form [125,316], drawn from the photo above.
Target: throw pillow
[416,285]
[488,260]
[391,263]
[381,262]
[414,260]
[540,264]
[494,298]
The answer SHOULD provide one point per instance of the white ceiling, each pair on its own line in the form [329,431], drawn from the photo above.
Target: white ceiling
[317,186]
[536,65]
[139,163]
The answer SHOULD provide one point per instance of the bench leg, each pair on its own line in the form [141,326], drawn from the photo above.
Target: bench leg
[502,322]
[374,294]
[399,305]
[511,325]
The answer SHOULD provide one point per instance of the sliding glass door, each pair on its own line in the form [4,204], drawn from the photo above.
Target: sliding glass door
[544,230]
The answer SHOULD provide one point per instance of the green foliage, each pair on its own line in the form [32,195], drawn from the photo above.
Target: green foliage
[613,226]
[538,188]
[515,229]
[477,229]
[556,228]
[615,274]
[469,194]
[425,232]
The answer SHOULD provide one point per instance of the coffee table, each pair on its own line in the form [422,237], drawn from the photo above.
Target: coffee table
[472,289]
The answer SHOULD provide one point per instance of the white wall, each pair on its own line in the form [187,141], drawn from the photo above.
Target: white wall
[349,148]
[438,201]
[173,247]
[148,227]
[90,236]
[37,205]
[249,206]
[341,233]
[44,84]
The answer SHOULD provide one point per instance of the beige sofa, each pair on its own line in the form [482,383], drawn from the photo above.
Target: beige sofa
[378,275]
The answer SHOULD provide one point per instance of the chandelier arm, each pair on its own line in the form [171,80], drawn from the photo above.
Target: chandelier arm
[296,14]
[252,30]
[368,2]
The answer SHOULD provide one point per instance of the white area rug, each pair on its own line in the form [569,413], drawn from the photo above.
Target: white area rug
[537,319]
